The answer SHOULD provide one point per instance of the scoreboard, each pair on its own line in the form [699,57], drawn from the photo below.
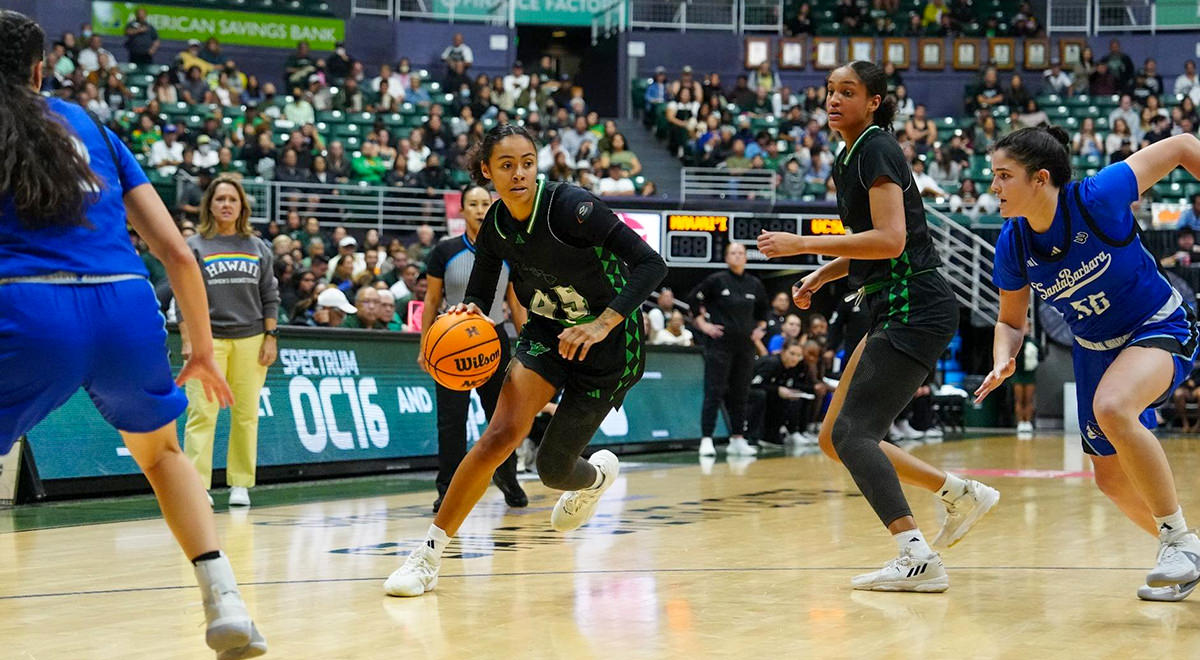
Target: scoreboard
[697,239]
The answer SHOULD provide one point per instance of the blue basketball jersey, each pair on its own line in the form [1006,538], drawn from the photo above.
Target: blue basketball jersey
[100,249]
[1090,265]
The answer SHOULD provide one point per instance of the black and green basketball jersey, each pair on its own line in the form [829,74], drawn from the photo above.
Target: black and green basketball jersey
[873,155]
[558,265]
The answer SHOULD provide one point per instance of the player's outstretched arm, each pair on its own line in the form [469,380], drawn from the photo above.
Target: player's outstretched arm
[153,223]
[1010,332]
[1152,164]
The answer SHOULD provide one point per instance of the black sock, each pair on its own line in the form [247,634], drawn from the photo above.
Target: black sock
[208,556]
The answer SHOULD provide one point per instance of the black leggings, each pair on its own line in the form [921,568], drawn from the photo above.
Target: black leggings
[559,463]
[882,385]
[452,409]
[727,375]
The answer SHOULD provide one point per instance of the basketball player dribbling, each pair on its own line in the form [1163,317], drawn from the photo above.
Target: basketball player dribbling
[582,274]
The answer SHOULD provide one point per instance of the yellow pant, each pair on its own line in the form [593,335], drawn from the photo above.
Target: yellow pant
[238,361]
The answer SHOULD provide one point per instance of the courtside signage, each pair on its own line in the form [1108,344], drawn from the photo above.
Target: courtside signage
[350,396]
[229,27]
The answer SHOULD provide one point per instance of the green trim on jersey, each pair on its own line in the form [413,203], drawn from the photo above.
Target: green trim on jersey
[537,203]
[612,268]
[496,219]
[850,152]
[633,353]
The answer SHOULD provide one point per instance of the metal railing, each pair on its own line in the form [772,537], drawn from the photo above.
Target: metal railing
[761,16]
[388,209]
[967,262]
[609,21]
[501,12]
[1068,16]
[684,15]
[714,183]
[373,8]
[1096,16]
[1124,15]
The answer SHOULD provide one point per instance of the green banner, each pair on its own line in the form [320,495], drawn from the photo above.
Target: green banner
[336,396]
[229,27]
[529,12]
[1177,14]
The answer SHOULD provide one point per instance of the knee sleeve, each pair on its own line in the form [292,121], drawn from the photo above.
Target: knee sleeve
[877,392]
[559,463]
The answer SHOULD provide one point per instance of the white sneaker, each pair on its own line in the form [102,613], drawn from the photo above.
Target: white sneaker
[1178,561]
[210,499]
[908,431]
[575,507]
[418,574]
[963,513]
[256,647]
[933,435]
[239,496]
[1024,427]
[228,623]
[906,573]
[707,448]
[739,447]
[1171,594]
[894,433]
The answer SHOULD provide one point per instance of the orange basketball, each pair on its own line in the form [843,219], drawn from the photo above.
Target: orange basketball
[462,351]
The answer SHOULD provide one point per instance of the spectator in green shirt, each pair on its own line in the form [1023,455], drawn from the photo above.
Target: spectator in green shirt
[145,135]
[368,166]
[366,301]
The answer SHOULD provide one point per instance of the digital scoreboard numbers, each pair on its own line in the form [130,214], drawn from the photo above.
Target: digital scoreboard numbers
[698,239]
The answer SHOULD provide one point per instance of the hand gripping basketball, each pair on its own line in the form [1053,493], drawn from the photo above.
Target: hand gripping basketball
[462,349]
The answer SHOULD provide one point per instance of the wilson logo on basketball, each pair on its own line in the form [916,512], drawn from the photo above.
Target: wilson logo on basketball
[476,362]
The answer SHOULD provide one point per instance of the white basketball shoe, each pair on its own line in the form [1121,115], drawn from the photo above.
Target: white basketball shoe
[1178,561]
[418,574]
[906,573]
[964,512]
[575,507]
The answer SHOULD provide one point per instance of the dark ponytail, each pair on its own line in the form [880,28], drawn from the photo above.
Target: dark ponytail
[1042,147]
[482,152]
[41,168]
[875,80]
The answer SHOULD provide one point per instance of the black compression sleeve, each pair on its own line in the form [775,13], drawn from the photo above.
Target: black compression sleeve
[646,268]
[481,288]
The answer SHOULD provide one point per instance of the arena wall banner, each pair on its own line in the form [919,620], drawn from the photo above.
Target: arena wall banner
[527,12]
[338,396]
[1177,14]
[229,27]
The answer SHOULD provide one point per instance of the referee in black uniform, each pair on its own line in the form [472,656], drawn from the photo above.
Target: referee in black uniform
[728,306]
[447,272]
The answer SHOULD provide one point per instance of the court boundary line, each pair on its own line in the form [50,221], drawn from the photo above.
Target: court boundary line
[635,571]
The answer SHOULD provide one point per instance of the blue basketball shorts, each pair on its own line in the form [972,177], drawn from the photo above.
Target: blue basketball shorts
[1177,335]
[107,338]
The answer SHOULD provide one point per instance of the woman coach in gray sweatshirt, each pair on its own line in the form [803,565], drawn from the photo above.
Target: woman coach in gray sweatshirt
[243,302]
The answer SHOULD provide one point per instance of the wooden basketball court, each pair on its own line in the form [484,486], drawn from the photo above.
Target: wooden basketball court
[746,560]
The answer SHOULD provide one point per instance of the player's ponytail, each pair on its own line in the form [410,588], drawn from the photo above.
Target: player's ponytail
[482,152]
[875,80]
[1042,147]
[41,169]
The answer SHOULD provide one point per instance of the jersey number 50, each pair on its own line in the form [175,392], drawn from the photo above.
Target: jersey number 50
[573,305]
[1094,305]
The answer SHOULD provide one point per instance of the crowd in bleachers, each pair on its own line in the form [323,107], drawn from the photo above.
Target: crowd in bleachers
[913,18]
[191,115]
[1111,107]
[334,120]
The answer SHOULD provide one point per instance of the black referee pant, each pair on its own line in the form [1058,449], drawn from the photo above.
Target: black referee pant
[452,409]
[727,374]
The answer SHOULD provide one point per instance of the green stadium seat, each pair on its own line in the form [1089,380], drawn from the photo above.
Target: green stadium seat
[990,221]
[331,116]
[1172,190]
